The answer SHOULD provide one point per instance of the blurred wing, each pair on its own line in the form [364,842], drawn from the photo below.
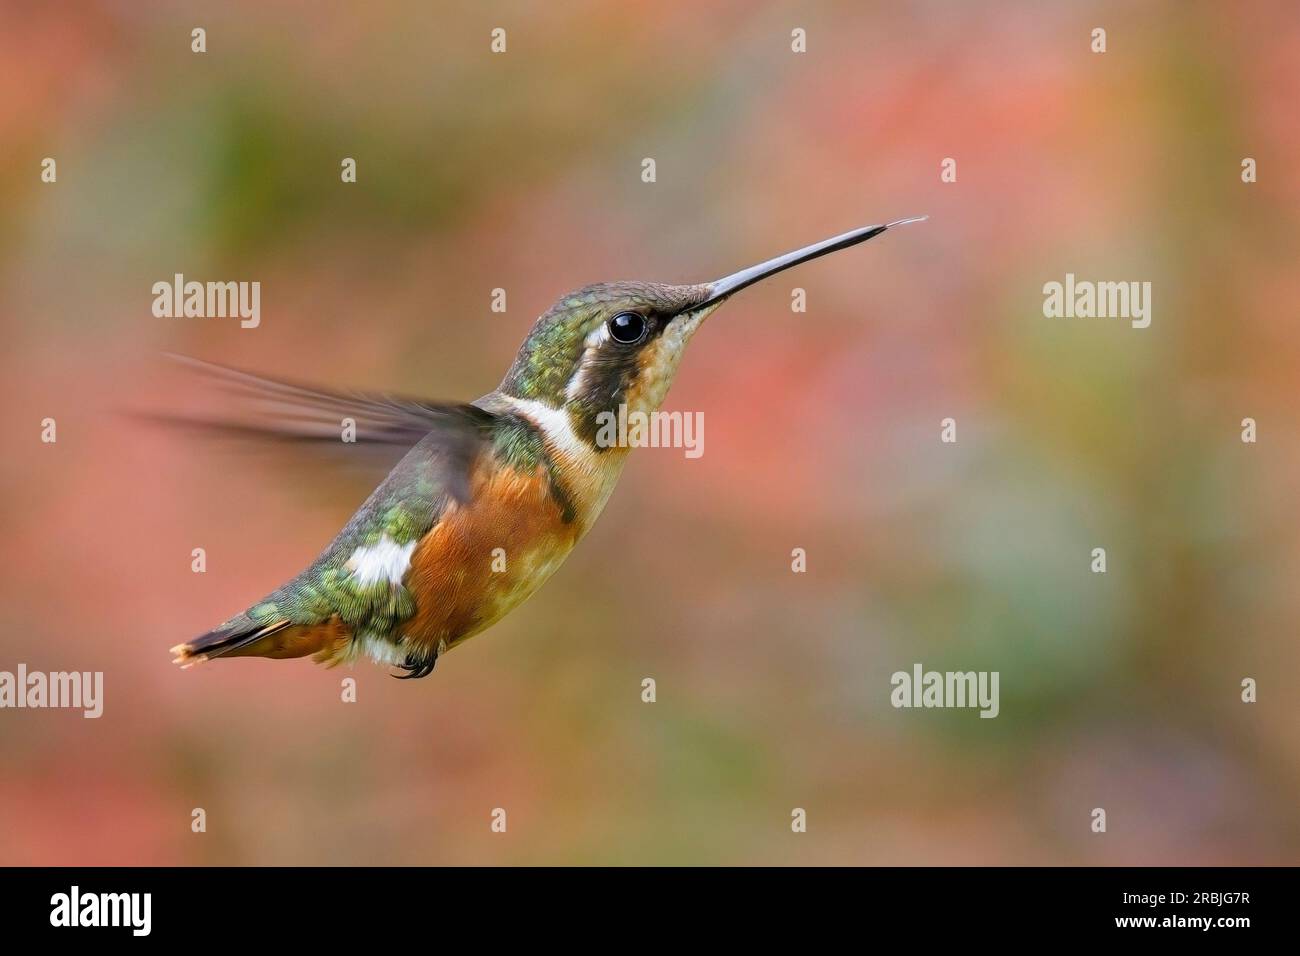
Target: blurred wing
[383,426]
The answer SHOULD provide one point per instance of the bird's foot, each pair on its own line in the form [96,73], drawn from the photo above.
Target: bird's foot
[417,667]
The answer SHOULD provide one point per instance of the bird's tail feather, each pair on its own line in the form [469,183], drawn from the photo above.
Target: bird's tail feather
[227,639]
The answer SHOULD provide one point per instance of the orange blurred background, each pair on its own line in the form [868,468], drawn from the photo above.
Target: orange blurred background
[523,171]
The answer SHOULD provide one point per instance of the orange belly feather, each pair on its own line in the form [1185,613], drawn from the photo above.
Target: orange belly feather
[461,582]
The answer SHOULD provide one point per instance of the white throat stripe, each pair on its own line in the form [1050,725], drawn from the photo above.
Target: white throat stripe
[554,424]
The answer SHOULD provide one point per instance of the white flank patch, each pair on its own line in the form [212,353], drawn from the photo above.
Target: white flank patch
[381,651]
[385,561]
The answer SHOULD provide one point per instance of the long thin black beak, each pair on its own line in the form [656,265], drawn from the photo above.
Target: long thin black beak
[747,277]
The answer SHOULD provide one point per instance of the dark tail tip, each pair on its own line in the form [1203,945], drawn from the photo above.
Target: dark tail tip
[222,640]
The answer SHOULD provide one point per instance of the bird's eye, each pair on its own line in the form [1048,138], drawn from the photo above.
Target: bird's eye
[627,328]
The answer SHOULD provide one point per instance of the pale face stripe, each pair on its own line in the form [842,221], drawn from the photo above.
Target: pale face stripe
[597,337]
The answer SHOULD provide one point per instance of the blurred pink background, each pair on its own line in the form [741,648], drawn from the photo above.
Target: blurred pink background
[522,171]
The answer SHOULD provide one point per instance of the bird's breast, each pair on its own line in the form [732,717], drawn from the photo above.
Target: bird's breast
[484,558]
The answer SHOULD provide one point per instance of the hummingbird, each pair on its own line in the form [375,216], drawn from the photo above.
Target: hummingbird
[493,494]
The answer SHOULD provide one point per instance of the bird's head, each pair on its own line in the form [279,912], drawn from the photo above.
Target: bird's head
[620,343]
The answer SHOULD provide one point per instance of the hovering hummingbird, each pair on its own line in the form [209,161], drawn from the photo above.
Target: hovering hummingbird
[492,495]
